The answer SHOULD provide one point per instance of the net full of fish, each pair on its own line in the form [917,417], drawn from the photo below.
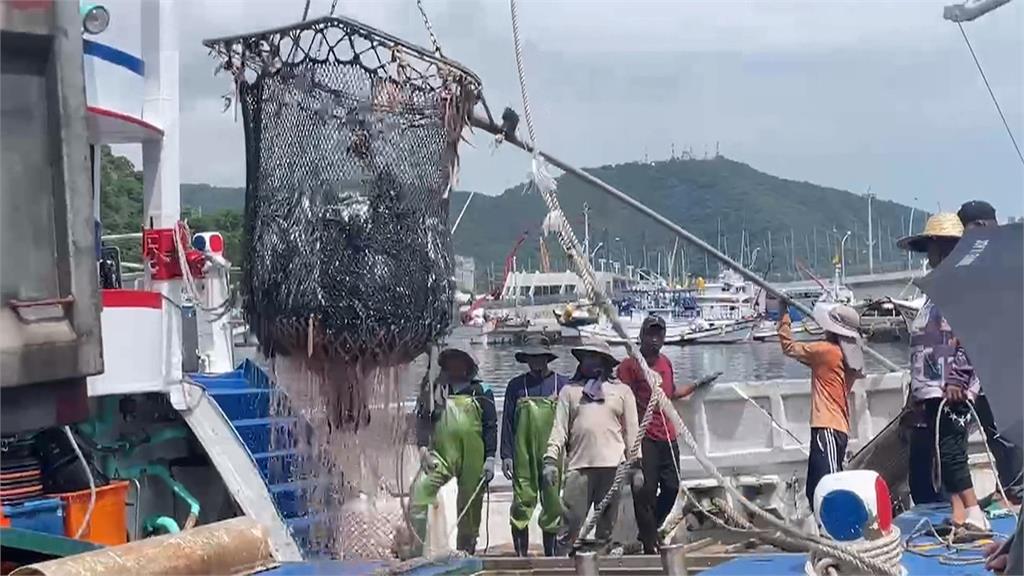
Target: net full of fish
[351,142]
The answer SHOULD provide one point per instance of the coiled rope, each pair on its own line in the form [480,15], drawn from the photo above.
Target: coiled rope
[545,184]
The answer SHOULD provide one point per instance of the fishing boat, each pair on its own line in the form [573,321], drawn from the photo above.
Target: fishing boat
[180,433]
[576,314]
[677,308]
[721,312]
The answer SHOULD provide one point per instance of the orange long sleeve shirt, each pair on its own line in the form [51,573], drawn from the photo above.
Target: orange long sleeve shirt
[830,381]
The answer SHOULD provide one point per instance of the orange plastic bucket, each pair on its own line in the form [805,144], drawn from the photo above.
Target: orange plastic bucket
[107,525]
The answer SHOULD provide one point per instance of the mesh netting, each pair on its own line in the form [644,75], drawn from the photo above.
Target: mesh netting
[351,147]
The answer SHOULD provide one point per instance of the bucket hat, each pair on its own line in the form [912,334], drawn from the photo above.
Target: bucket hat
[448,353]
[536,345]
[599,347]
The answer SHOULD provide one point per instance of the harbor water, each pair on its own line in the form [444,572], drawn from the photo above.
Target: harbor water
[739,362]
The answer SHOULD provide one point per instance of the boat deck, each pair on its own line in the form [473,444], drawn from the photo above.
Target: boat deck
[931,561]
[704,559]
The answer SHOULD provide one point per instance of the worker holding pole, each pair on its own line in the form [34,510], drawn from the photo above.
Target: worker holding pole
[457,431]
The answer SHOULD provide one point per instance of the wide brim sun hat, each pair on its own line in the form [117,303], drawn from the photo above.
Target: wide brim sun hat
[599,347]
[533,347]
[941,225]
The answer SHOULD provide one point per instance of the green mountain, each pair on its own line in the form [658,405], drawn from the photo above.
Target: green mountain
[702,196]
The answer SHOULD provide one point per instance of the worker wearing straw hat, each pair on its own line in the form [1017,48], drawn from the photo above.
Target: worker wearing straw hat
[457,431]
[595,426]
[942,380]
[530,401]
[835,364]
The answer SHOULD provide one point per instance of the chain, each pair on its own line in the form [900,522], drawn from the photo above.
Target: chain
[428,26]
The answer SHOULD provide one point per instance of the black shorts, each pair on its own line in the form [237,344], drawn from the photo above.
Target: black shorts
[828,448]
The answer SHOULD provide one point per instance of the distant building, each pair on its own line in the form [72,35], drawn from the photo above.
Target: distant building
[465,273]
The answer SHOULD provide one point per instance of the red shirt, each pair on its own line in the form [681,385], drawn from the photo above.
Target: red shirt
[631,375]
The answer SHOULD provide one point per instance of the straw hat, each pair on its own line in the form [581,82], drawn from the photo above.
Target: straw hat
[448,353]
[599,347]
[941,225]
[536,345]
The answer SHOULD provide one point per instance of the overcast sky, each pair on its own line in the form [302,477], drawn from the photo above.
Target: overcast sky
[847,94]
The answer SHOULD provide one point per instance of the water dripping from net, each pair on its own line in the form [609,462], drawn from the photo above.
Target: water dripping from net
[348,428]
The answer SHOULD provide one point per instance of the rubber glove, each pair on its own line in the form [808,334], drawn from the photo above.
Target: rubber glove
[708,379]
[783,306]
[506,468]
[549,474]
[489,469]
[428,462]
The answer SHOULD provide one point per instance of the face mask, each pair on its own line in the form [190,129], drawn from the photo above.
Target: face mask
[591,366]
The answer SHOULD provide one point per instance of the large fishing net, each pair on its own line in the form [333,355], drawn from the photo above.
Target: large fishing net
[351,141]
[351,147]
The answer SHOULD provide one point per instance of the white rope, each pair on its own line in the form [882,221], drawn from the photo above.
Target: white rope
[218,310]
[546,186]
[888,550]
[775,423]
[87,520]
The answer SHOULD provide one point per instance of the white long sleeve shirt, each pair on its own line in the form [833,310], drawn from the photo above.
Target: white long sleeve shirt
[593,434]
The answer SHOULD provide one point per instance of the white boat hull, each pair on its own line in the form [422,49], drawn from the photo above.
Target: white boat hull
[728,332]
[673,332]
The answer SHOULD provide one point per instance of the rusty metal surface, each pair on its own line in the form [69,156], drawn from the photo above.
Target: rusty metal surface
[236,546]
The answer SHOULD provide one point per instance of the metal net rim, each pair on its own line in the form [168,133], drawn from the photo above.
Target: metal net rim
[252,51]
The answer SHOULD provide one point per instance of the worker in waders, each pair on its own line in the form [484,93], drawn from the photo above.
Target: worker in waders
[530,400]
[457,432]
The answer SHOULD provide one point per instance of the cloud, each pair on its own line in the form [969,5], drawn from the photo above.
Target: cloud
[841,93]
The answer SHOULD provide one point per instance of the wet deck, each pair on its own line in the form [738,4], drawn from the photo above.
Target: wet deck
[707,556]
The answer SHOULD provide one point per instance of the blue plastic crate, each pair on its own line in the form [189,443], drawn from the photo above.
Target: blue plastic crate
[44,515]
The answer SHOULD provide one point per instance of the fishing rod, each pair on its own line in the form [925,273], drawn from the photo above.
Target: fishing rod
[507,132]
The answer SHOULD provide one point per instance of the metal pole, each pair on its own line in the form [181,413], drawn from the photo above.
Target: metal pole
[815,230]
[910,232]
[792,250]
[586,229]
[673,558]
[585,563]
[871,238]
[842,256]
[486,125]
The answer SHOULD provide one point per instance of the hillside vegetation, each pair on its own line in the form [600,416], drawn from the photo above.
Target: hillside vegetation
[702,196]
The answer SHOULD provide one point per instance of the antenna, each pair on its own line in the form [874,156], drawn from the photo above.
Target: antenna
[717,150]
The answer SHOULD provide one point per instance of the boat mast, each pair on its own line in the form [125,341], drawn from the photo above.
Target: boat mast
[871,238]
[586,229]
